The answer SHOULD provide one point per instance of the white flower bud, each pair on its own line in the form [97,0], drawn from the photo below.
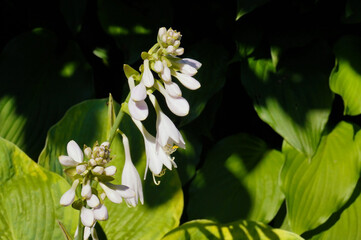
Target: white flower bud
[147,77]
[88,152]
[166,74]
[80,168]
[93,201]
[74,151]
[86,190]
[87,217]
[92,162]
[158,66]
[179,51]
[105,144]
[139,92]
[101,213]
[110,171]
[69,196]
[98,170]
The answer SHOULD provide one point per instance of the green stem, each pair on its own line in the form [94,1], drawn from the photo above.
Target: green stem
[155,47]
[80,230]
[118,120]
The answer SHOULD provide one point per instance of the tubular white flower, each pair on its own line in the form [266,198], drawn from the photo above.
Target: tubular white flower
[87,217]
[69,196]
[138,110]
[187,81]
[93,201]
[188,62]
[115,193]
[147,77]
[86,190]
[155,159]
[178,105]
[167,132]
[130,176]
[74,151]
[101,213]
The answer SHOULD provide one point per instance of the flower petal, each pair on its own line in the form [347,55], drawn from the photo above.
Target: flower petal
[191,62]
[179,106]
[74,151]
[69,196]
[101,213]
[67,161]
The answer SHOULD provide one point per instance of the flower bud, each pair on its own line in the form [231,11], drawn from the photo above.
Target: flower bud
[69,196]
[87,217]
[101,213]
[98,170]
[80,169]
[86,190]
[110,171]
[88,152]
[93,201]
[67,161]
[158,66]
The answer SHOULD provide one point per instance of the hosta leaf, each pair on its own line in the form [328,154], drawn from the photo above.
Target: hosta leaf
[345,78]
[294,98]
[245,230]
[316,187]
[240,174]
[344,225]
[41,77]
[30,194]
[246,6]
[86,123]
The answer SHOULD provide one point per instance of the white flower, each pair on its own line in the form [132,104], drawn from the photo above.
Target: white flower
[130,176]
[69,196]
[75,155]
[155,159]
[87,217]
[115,193]
[166,74]
[167,133]
[187,66]
[147,77]
[173,89]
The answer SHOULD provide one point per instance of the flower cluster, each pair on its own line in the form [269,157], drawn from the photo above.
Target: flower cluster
[88,172]
[90,168]
[160,64]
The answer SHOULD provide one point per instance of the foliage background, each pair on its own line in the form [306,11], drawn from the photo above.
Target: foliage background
[268,67]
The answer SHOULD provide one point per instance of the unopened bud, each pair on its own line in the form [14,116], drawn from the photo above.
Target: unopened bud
[88,152]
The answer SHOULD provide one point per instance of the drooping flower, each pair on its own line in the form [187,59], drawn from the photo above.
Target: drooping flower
[115,193]
[155,159]
[87,217]
[168,136]
[137,106]
[130,176]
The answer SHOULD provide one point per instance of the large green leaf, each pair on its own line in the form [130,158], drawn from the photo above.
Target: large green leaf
[241,175]
[316,187]
[245,230]
[294,98]
[41,77]
[30,194]
[345,78]
[86,123]
[345,224]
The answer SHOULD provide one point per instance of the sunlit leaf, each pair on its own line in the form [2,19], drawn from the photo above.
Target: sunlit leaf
[316,187]
[294,98]
[240,176]
[86,123]
[345,78]
[30,194]
[245,230]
